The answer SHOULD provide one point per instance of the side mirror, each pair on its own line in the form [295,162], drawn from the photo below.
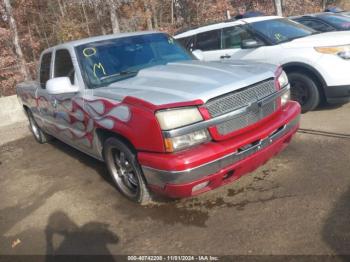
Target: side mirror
[250,43]
[60,85]
[198,54]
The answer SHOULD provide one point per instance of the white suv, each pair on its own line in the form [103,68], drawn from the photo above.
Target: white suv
[317,64]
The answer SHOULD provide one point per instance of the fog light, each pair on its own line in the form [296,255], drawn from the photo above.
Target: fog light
[200,186]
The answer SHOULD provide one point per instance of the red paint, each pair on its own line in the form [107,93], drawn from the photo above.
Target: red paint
[142,130]
[241,168]
[210,151]
[138,102]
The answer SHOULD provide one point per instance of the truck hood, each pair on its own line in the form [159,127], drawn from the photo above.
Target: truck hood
[323,39]
[188,81]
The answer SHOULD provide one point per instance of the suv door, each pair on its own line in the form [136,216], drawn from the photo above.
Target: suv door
[230,46]
[232,41]
[210,44]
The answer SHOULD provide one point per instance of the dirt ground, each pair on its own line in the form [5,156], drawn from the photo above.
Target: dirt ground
[54,199]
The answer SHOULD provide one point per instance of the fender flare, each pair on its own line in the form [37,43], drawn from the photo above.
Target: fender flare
[310,69]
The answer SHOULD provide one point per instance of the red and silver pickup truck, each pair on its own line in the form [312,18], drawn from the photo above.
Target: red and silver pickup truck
[161,120]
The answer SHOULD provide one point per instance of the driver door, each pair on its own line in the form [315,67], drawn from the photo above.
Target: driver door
[232,40]
[228,44]
[68,107]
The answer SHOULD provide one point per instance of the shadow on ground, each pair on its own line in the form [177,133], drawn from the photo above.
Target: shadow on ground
[89,239]
[84,159]
[336,231]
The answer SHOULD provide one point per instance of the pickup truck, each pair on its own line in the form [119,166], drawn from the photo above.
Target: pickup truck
[160,119]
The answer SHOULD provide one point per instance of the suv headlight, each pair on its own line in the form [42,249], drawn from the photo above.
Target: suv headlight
[180,117]
[342,51]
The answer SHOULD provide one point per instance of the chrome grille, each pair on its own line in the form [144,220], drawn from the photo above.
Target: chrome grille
[241,98]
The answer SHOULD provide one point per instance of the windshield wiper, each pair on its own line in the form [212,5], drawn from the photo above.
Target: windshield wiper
[125,73]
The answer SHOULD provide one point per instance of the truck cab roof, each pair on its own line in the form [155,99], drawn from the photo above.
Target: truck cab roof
[96,39]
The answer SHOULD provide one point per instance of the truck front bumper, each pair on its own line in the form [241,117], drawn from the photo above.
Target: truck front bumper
[214,164]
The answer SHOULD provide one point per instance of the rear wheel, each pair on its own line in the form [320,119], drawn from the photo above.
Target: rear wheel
[304,90]
[39,135]
[125,170]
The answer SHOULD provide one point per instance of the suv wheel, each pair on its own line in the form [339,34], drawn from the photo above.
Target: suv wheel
[125,170]
[304,90]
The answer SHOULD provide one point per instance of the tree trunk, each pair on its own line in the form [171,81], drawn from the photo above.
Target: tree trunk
[114,17]
[148,16]
[172,12]
[61,8]
[99,15]
[155,21]
[278,6]
[86,19]
[18,49]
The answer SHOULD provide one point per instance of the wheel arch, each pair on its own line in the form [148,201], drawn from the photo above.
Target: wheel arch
[309,70]
[103,134]
[26,109]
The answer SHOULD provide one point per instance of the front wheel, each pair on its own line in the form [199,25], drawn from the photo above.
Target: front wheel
[304,90]
[123,166]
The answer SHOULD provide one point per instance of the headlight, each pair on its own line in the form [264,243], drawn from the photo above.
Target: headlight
[179,117]
[285,98]
[185,141]
[283,79]
[342,51]
[170,119]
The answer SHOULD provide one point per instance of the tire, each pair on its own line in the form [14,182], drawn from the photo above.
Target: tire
[304,90]
[39,135]
[125,171]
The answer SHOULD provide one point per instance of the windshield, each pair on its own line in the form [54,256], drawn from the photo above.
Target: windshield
[108,61]
[281,30]
[340,22]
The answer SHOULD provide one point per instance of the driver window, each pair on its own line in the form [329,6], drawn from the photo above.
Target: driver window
[45,69]
[64,65]
[232,37]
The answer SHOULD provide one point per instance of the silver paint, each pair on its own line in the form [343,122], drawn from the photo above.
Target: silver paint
[122,113]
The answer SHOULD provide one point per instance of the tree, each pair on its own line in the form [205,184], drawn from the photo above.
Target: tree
[18,49]
[114,17]
[278,6]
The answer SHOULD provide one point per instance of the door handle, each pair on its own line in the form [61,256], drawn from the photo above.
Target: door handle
[225,56]
[54,102]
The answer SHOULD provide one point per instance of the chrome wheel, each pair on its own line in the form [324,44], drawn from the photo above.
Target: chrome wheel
[122,164]
[34,128]
[124,173]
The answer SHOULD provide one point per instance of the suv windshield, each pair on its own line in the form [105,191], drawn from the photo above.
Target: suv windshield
[112,60]
[281,30]
[340,22]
